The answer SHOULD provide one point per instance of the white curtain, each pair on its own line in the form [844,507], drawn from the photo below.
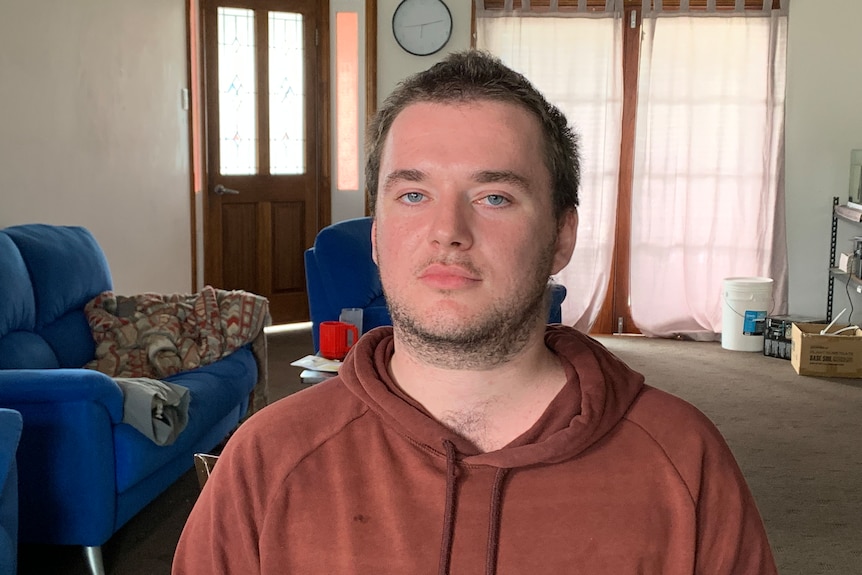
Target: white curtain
[575,60]
[707,196]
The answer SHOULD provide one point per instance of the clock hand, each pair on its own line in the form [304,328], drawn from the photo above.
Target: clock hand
[422,24]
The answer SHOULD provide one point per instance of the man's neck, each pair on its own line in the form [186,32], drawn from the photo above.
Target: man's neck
[490,407]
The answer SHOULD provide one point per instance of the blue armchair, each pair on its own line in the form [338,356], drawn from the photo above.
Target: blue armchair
[340,273]
[10,434]
[83,472]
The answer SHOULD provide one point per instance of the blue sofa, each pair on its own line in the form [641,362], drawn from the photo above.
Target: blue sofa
[10,434]
[340,273]
[83,473]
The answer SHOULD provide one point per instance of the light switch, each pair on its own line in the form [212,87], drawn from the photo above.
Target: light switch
[184,98]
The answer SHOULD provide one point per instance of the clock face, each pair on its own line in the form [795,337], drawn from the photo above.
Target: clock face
[422,27]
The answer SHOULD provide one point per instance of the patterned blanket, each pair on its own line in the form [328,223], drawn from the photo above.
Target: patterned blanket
[153,335]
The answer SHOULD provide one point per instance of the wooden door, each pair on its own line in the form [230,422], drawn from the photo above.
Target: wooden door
[267,145]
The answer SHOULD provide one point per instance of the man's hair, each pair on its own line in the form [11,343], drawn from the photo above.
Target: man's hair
[469,76]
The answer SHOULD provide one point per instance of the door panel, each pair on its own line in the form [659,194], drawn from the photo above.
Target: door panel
[239,246]
[266,69]
[288,229]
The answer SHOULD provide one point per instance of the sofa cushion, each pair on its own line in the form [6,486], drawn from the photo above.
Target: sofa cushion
[343,256]
[375,316]
[17,305]
[215,390]
[67,267]
[26,350]
[20,347]
[71,339]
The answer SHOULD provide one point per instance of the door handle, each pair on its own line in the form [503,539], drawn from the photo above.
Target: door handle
[221,190]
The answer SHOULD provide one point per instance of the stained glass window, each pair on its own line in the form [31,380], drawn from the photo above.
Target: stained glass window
[237,110]
[286,94]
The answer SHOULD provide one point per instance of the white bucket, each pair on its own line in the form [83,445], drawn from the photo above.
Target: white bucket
[743,317]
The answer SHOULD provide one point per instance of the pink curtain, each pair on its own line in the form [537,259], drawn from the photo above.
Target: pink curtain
[707,198]
[707,190]
[575,58]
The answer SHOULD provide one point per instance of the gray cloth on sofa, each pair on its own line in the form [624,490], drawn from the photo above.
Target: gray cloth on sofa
[158,409]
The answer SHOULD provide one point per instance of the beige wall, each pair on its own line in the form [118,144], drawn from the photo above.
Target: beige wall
[823,123]
[93,133]
[394,64]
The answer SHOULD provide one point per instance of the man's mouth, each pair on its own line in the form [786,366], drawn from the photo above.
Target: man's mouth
[449,276]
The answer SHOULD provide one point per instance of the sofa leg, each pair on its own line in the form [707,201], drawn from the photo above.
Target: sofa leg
[94,560]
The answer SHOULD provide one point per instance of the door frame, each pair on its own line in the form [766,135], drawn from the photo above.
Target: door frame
[198,175]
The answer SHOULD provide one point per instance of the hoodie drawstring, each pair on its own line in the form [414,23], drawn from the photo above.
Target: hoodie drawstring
[449,512]
[494,522]
[449,515]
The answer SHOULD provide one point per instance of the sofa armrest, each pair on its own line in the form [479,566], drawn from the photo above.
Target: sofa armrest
[66,458]
[19,387]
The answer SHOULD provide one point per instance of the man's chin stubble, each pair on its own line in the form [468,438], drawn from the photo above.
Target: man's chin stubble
[484,346]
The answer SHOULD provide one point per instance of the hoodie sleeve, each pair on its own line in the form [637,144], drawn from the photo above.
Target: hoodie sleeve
[730,537]
[221,533]
[247,493]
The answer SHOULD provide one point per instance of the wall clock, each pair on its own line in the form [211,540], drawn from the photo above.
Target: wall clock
[422,27]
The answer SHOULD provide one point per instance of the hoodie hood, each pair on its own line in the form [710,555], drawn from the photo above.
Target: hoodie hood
[599,391]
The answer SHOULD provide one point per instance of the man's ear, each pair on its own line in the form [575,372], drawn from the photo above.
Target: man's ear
[566,239]
[374,239]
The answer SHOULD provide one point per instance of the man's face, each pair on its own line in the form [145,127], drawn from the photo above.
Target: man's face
[464,232]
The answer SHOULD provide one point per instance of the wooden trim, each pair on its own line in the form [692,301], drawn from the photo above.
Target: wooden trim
[370,57]
[622,240]
[261,79]
[616,303]
[264,238]
[324,152]
[209,44]
[192,48]
[370,72]
[599,5]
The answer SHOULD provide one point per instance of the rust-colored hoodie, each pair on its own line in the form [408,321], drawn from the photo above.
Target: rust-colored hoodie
[352,476]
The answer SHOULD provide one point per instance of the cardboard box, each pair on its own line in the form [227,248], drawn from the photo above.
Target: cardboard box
[826,355]
[778,331]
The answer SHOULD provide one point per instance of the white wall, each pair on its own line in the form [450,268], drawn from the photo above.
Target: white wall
[394,64]
[823,123]
[93,133]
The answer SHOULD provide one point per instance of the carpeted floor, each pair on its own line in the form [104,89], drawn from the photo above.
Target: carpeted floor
[798,441]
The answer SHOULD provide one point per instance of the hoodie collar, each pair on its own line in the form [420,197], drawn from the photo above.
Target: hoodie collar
[599,391]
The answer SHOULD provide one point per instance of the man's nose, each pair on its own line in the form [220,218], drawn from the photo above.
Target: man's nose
[452,224]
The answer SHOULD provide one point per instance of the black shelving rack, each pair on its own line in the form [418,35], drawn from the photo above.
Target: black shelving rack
[834,270]
[833,247]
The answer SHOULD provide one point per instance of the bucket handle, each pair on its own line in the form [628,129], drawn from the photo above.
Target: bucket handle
[771,306]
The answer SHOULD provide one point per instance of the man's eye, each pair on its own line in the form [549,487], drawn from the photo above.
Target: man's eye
[496,200]
[412,197]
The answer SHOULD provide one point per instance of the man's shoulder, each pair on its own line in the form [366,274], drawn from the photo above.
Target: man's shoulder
[298,423]
[666,416]
[688,439]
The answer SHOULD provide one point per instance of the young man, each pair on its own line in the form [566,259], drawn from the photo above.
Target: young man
[471,437]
